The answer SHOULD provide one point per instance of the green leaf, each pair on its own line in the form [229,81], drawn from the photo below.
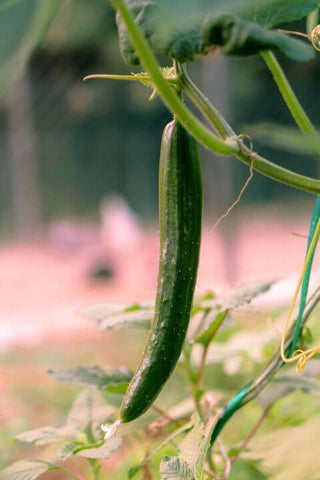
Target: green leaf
[46,435]
[109,317]
[194,447]
[67,450]
[232,299]
[134,470]
[193,450]
[186,28]
[101,449]
[94,376]
[237,36]
[26,470]
[23,24]
[208,335]
[109,446]
[174,468]
[89,411]
[283,11]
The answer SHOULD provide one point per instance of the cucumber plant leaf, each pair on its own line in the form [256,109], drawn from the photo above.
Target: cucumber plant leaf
[217,307]
[102,449]
[282,11]
[109,317]
[174,468]
[87,413]
[192,453]
[93,376]
[26,470]
[47,435]
[237,36]
[178,30]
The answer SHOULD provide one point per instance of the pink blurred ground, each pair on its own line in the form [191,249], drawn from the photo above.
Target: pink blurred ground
[42,285]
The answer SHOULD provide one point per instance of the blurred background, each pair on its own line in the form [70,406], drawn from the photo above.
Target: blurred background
[78,192]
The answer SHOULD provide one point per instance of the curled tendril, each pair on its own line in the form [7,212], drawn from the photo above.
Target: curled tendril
[315,38]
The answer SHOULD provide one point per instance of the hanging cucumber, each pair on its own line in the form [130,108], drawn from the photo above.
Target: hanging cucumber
[180,212]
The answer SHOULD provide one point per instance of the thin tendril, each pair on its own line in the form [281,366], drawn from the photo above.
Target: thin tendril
[300,356]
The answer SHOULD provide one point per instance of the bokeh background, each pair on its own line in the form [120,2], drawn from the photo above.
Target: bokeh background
[78,198]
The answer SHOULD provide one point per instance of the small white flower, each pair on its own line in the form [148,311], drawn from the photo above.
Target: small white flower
[110,429]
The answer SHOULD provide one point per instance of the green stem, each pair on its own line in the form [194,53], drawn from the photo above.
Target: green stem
[305,284]
[222,127]
[96,467]
[192,379]
[288,94]
[307,128]
[197,129]
[253,388]
[168,95]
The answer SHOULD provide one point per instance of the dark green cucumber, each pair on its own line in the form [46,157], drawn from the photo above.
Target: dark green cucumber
[180,212]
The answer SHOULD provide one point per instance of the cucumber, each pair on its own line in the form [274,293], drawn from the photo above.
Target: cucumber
[180,214]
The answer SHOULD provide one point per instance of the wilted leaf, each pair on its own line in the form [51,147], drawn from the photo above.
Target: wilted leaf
[93,376]
[26,470]
[174,468]
[288,453]
[117,316]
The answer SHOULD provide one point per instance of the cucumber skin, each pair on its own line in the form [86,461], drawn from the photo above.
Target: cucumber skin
[180,215]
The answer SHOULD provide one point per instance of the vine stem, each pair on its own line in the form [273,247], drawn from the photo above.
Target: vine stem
[229,144]
[252,390]
[206,349]
[288,95]
[307,128]
[245,155]
[252,432]
[169,96]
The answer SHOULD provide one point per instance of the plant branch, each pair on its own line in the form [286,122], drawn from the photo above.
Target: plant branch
[229,144]
[288,94]
[252,390]
[245,154]
[226,458]
[168,95]
[252,432]
[206,349]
